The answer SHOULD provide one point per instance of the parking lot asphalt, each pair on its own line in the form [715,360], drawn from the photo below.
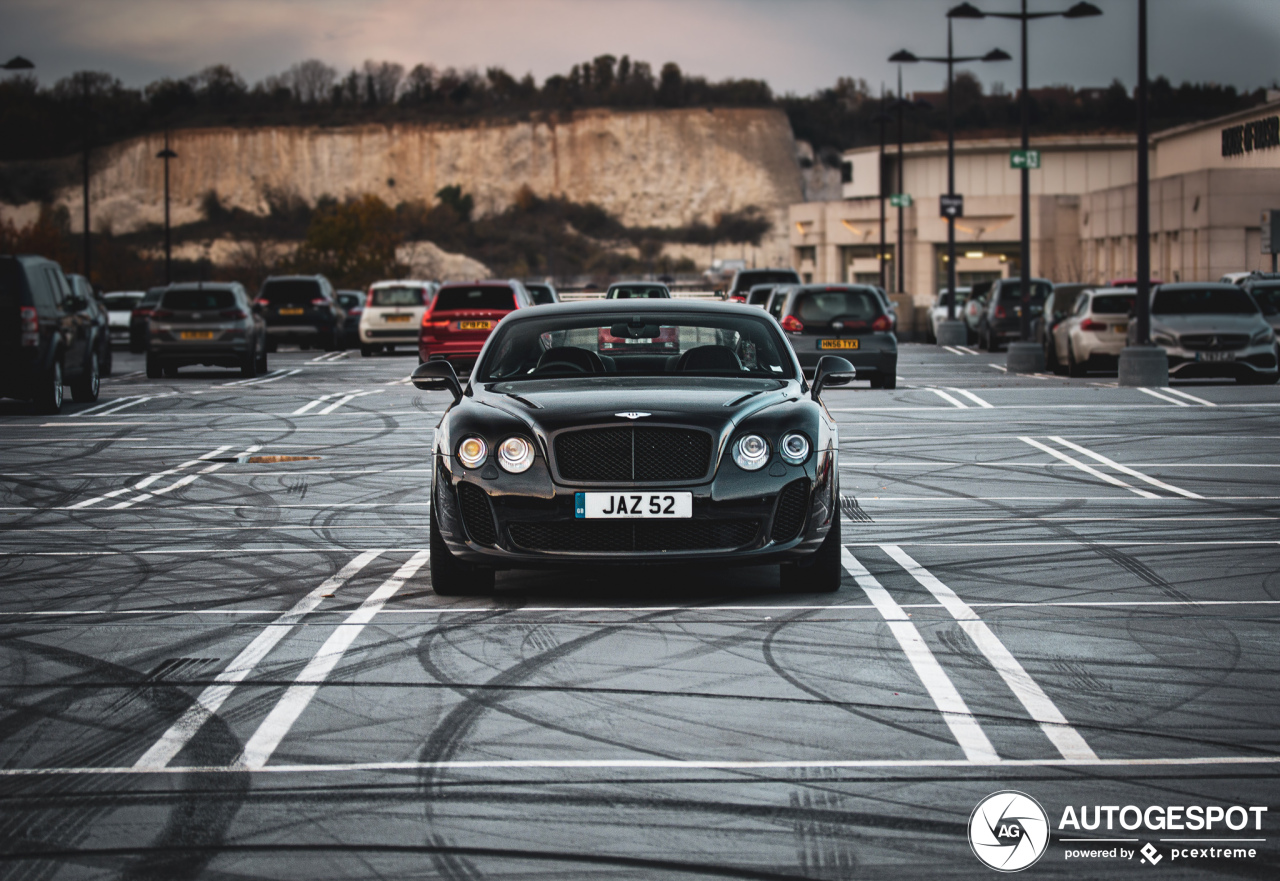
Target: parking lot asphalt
[221,656]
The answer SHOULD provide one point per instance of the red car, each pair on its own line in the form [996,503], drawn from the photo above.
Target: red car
[461,317]
[667,342]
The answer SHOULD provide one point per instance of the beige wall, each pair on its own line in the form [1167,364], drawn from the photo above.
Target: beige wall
[1198,147]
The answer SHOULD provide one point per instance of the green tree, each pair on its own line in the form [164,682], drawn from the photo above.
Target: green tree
[352,242]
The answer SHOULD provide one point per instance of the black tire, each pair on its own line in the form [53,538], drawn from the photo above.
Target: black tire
[262,361]
[107,358]
[1051,362]
[819,574]
[889,381]
[875,380]
[271,345]
[305,347]
[154,368]
[451,577]
[171,370]
[991,343]
[366,352]
[48,393]
[1074,367]
[85,389]
[249,366]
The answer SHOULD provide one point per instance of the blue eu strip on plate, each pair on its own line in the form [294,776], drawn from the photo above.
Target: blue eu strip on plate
[580,505]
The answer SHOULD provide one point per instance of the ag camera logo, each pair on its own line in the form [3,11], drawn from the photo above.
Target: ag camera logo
[1008,831]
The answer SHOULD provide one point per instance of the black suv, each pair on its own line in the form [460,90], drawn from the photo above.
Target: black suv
[301,309]
[96,313]
[46,336]
[1001,318]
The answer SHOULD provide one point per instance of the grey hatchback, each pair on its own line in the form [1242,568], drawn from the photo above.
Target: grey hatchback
[206,323]
[848,320]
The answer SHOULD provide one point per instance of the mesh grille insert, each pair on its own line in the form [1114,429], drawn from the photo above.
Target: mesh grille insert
[615,455]
[584,536]
[789,515]
[477,516]
[1215,342]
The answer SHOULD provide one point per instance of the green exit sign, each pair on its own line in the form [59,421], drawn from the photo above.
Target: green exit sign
[900,200]
[1024,158]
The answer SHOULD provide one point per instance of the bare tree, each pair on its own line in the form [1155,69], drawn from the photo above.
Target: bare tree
[382,80]
[312,80]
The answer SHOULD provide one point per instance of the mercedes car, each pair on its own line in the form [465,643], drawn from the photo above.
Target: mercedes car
[566,447]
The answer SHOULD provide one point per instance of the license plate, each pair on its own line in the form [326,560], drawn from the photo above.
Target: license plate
[396,319]
[291,311]
[838,344]
[196,335]
[633,506]
[474,325]
[1215,356]
[1119,328]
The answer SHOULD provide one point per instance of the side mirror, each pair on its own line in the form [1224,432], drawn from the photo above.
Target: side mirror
[437,376]
[832,370]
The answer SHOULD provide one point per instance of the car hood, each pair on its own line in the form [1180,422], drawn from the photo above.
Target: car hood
[1181,324]
[711,403]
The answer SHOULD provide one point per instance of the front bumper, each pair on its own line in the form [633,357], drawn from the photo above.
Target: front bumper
[783,515]
[1251,361]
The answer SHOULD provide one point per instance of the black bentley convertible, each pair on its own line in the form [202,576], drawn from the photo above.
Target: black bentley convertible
[635,432]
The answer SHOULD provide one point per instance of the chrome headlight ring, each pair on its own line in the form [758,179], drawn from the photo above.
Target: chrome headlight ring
[515,454]
[794,448]
[472,451]
[751,452]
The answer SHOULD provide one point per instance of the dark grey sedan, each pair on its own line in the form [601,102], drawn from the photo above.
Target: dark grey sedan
[845,320]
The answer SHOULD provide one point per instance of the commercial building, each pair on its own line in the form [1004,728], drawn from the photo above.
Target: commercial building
[1210,183]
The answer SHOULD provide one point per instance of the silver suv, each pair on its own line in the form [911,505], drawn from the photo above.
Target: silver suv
[207,323]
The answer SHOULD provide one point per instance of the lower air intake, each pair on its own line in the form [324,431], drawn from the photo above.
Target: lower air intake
[591,536]
[477,516]
[788,517]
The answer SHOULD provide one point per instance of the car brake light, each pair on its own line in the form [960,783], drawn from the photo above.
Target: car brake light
[1090,324]
[1000,312]
[263,300]
[162,314]
[881,323]
[141,313]
[319,301]
[793,324]
[737,299]
[233,314]
[368,300]
[30,326]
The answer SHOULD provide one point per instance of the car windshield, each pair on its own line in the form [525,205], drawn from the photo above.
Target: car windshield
[1114,304]
[1202,301]
[122,302]
[636,292]
[492,297]
[400,295]
[198,300]
[759,296]
[291,292]
[652,344]
[851,306]
[1268,297]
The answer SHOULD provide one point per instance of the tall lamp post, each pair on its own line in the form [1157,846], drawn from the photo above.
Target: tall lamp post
[950,332]
[166,154]
[1025,356]
[882,117]
[87,123]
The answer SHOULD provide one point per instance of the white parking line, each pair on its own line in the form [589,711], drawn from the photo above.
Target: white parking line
[1166,398]
[950,400]
[330,356]
[955,712]
[971,396]
[211,699]
[968,351]
[345,400]
[110,402]
[261,380]
[953,350]
[305,407]
[1125,469]
[181,482]
[1088,469]
[1182,394]
[1043,710]
[264,741]
[999,367]
[145,482]
[125,406]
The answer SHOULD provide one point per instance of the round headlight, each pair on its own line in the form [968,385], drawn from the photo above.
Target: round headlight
[515,454]
[472,451]
[794,447]
[751,452]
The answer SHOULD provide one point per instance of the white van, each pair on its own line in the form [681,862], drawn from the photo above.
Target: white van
[393,313]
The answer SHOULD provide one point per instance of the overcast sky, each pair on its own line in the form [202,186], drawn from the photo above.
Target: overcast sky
[795,45]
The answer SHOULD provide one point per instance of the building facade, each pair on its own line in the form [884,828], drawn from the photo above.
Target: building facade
[1210,182]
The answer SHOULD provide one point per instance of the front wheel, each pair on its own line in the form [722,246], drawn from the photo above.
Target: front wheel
[48,394]
[451,577]
[366,351]
[85,389]
[818,574]
[271,344]
[107,359]
[154,368]
[889,381]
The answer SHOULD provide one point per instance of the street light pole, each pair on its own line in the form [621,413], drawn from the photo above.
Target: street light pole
[950,333]
[88,246]
[1025,356]
[166,154]
[1142,364]
[883,117]
[898,259]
